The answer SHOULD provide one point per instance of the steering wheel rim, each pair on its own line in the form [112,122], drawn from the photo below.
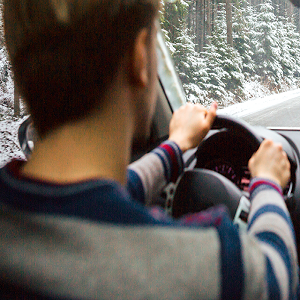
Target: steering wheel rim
[200,189]
[245,129]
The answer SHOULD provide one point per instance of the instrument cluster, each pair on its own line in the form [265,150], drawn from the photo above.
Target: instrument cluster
[238,175]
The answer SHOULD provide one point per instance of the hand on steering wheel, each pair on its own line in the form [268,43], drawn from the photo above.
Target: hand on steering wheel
[270,162]
[200,189]
[190,124]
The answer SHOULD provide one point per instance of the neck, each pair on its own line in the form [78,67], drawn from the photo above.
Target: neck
[97,147]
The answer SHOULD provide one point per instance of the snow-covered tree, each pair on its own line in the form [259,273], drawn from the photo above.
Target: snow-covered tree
[287,61]
[224,65]
[190,67]
[6,84]
[290,51]
[242,36]
[267,52]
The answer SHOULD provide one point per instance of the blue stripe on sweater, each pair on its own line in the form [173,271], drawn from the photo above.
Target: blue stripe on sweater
[232,269]
[272,209]
[167,172]
[278,244]
[135,186]
[273,288]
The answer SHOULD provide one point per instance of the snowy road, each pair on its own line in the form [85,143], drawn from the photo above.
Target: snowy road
[285,114]
[277,110]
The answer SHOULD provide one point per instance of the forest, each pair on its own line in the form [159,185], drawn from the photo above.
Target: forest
[227,51]
[232,50]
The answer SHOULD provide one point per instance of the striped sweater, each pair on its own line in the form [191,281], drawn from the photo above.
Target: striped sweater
[98,240]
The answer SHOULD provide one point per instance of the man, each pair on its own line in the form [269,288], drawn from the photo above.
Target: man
[74,217]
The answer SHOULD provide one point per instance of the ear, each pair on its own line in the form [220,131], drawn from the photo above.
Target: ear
[139,59]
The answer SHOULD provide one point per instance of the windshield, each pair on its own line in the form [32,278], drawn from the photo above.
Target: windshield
[244,55]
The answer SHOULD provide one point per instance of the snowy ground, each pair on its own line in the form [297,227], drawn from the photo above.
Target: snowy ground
[241,110]
[9,145]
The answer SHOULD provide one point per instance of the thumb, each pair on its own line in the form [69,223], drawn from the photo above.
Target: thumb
[212,113]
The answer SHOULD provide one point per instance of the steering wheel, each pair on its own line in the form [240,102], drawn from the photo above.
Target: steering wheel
[200,189]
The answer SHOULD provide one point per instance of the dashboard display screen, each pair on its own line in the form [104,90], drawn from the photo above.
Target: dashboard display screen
[239,176]
[245,179]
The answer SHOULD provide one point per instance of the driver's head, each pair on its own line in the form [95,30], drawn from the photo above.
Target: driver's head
[66,53]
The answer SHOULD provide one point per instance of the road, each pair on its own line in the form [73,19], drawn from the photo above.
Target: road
[285,114]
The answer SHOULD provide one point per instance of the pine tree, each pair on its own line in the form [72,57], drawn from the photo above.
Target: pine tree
[266,49]
[242,37]
[267,54]
[190,67]
[287,61]
[224,65]
[290,51]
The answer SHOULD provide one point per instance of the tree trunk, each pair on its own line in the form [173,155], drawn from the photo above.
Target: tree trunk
[199,24]
[202,23]
[229,22]
[297,18]
[190,19]
[213,14]
[209,17]
[290,10]
[16,102]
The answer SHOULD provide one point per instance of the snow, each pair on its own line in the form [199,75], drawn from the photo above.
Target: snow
[249,107]
[9,145]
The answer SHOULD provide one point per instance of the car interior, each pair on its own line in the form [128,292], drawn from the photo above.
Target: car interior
[216,172]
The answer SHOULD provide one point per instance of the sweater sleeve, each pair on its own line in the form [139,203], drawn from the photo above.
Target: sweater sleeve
[258,264]
[147,176]
[269,222]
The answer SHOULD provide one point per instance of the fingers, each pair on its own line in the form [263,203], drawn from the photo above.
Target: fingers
[212,113]
[190,124]
[270,161]
[209,115]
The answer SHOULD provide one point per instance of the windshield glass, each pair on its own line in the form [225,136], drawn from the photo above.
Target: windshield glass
[244,55]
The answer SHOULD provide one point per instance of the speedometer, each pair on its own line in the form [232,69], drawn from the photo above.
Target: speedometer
[224,168]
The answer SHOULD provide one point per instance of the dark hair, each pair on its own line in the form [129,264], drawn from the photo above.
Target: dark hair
[61,67]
